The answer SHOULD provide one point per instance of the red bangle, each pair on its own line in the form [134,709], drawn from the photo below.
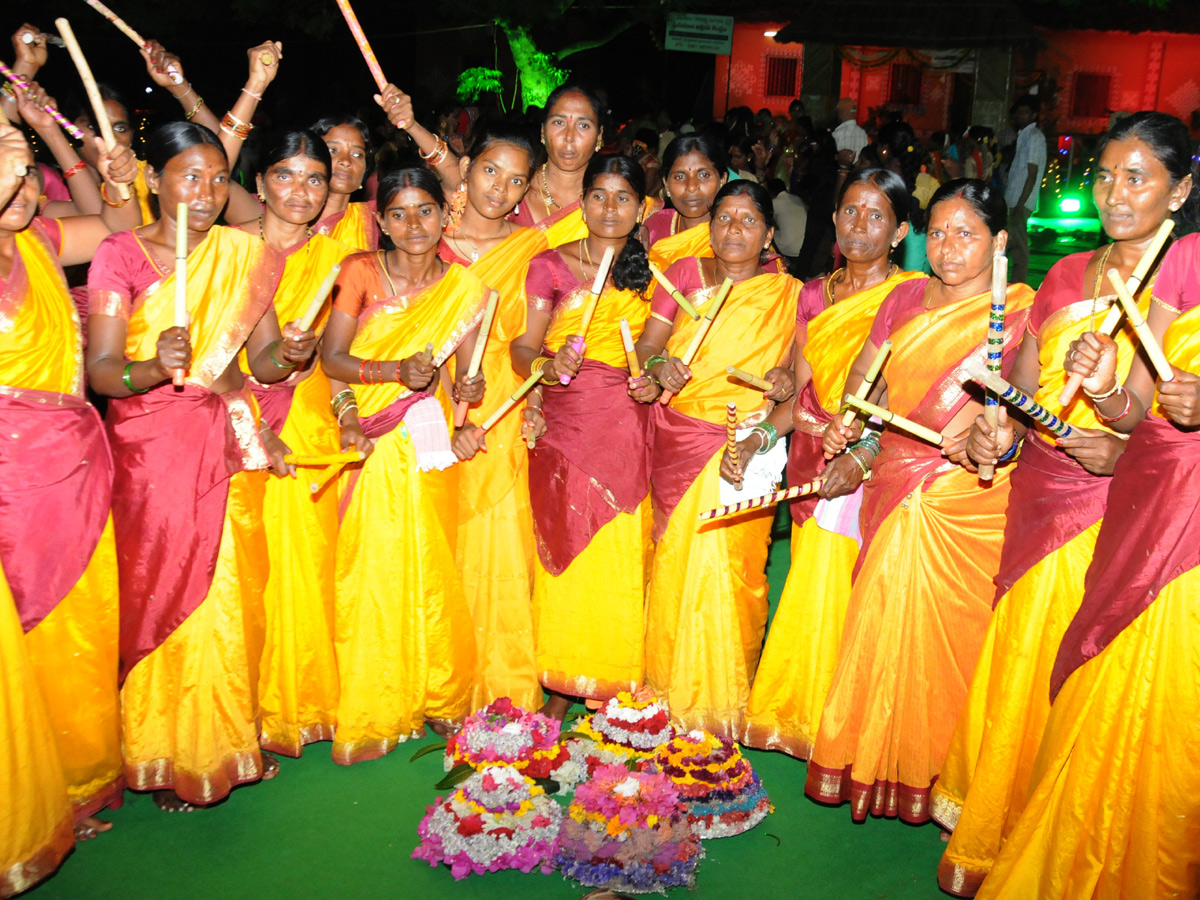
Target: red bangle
[75,169]
[362,371]
[398,372]
[1128,406]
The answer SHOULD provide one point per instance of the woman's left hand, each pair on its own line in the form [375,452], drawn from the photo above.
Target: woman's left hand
[297,346]
[276,451]
[1095,450]
[1180,398]
[955,450]
[746,448]
[644,389]
[469,389]
[468,441]
[784,384]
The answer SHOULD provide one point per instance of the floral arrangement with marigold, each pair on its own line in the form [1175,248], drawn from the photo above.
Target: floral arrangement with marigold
[628,727]
[497,819]
[720,789]
[627,831]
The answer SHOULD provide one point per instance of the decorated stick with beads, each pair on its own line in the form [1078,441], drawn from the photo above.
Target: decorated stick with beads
[1149,343]
[676,294]
[995,347]
[526,386]
[694,346]
[485,327]
[635,368]
[869,379]
[1133,285]
[93,92]
[753,380]
[781,496]
[181,252]
[589,307]
[731,446]
[19,83]
[363,44]
[1015,397]
[913,428]
[174,74]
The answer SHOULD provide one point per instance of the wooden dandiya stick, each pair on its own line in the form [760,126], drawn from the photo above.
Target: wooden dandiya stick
[318,300]
[781,496]
[325,476]
[181,252]
[676,294]
[753,380]
[485,327]
[995,347]
[93,92]
[589,307]
[364,45]
[635,368]
[1015,397]
[21,85]
[1134,284]
[868,381]
[913,428]
[694,346]
[526,386]
[174,74]
[1149,343]
[325,459]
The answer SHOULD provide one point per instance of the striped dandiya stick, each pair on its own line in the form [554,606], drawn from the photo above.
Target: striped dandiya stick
[694,346]
[676,294]
[916,429]
[731,436]
[1149,343]
[21,85]
[174,74]
[869,379]
[364,45]
[1133,285]
[995,347]
[753,380]
[1015,397]
[485,327]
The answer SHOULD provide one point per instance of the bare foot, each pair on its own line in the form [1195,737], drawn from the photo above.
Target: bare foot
[443,727]
[557,706]
[270,765]
[89,826]
[169,801]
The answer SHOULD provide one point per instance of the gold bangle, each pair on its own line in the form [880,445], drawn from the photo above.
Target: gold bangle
[196,108]
[539,365]
[104,197]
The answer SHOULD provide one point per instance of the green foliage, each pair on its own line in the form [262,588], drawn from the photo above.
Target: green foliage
[455,777]
[475,82]
[427,749]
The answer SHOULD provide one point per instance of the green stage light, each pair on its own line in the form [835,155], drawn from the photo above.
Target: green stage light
[1070,205]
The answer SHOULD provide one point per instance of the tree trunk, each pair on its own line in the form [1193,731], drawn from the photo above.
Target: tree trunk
[539,76]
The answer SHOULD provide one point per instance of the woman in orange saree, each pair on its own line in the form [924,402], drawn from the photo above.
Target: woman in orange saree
[402,626]
[696,168]
[832,322]
[351,223]
[707,604]
[297,677]
[56,539]
[496,549]
[589,475]
[186,501]
[931,530]
[1054,512]
[1111,810]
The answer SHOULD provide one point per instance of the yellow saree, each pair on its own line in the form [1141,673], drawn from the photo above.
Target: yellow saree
[402,627]
[693,241]
[707,604]
[805,635]
[356,227]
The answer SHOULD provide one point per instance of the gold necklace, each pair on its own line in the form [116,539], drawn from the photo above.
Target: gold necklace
[263,234]
[837,275]
[547,198]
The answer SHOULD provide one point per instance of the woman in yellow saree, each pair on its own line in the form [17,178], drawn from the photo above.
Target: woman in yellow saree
[931,529]
[1111,809]
[707,604]
[496,549]
[297,680]
[1056,506]
[696,168]
[402,626]
[351,223]
[832,322]
[589,475]
[56,538]
[186,498]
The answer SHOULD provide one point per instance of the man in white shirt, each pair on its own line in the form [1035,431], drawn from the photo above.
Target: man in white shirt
[1024,182]
[849,135]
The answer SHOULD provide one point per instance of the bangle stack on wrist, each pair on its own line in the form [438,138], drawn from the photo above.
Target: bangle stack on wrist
[770,437]
[343,403]
[1119,416]
[539,365]
[650,363]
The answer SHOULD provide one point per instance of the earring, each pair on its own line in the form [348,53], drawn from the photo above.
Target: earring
[895,244]
[599,145]
[1174,207]
[261,198]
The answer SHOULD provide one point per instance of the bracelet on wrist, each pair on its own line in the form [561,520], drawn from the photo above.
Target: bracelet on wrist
[75,169]
[852,452]
[770,437]
[1095,398]
[250,93]
[1010,452]
[539,365]
[1123,413]
[271,354]
[107,202]
[128,379]
[195,109]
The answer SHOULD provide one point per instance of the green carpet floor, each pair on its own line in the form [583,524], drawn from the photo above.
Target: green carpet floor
[322,831]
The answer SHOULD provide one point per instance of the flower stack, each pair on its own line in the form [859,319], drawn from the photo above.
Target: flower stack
[720,789]
[496,819]
[505,734]
[627,831]
[628,728]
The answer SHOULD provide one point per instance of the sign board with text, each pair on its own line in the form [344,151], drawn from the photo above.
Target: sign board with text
[699,34]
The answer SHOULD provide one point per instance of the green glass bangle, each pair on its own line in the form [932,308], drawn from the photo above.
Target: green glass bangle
[278,364]
[129,381]
[772,436]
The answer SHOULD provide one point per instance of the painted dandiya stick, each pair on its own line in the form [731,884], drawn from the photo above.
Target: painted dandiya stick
[589,306]
[995,347]
[318,300]
[325,459]
[174,74]
[1134,284]
[731,437]
[753,380]
[676,294]
[913,428]
[1149,343]
[21,85]
[1015,397]
[635,368]
[781,496]
[181,252]
[485,327]
[93,92]
[869,379]
[694,346]
[364,45]
[526,386]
